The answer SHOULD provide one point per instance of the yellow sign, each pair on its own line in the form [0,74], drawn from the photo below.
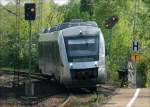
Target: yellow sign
[135,57]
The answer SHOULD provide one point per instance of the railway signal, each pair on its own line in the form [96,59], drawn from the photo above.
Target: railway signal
[29,15]
[30,11]
[111,21]
[109,24]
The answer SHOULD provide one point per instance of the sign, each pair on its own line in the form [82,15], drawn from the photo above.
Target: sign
[29,11]
[135,46]
[135,57]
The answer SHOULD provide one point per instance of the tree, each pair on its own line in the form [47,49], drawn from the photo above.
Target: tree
[87,6]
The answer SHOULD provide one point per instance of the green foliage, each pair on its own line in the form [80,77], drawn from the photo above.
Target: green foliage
[141,74]
[87,6]
[14,52]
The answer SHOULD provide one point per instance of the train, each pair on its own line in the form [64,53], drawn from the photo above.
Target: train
[73,53]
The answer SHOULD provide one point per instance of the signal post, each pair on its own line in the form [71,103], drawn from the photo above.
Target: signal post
[109,24]
[29,16]
[135,57]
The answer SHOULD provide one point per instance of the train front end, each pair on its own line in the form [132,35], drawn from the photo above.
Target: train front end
[83,55]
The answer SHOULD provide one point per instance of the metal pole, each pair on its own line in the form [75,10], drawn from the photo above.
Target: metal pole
[29,87]
[18,38]
[16,62]
[135,37]
[30,50]
[41,13]
[135,75]
[110,44]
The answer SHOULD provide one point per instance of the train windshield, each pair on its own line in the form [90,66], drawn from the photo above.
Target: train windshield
[82,49]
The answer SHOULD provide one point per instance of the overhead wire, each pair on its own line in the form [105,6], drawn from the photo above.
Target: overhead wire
[13,13]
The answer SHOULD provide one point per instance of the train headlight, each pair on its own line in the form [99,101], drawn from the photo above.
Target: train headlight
[71,65]
[96,64]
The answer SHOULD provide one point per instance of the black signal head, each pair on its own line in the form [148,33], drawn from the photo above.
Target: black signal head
[30,11]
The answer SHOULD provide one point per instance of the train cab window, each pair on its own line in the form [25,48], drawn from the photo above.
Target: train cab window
[81,49]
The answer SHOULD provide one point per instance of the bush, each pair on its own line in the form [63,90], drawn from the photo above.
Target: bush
[141,74]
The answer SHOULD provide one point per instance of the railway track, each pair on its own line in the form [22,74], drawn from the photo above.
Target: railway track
[86,97]
[66,98]
[46,91]
[66,102]
[25,74]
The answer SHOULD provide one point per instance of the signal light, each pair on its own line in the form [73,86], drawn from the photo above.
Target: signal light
[107,25]
[115,18]
[29,11]
[111,21]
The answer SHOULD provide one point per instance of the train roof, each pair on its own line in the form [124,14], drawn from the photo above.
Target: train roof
[81,30]
[72,23]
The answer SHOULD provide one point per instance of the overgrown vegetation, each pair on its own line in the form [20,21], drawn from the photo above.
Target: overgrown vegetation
[97,10]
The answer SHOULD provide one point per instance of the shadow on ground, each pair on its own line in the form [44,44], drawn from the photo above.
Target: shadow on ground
[42,91]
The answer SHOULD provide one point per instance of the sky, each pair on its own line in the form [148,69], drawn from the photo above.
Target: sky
[59,2]
[5,2]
